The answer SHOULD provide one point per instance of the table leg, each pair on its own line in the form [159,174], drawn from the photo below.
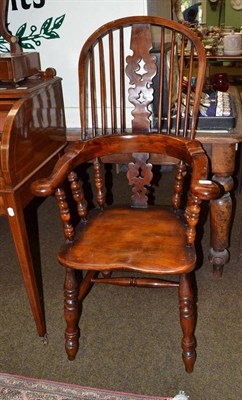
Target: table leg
[15,215]
[222,156]
[220,222]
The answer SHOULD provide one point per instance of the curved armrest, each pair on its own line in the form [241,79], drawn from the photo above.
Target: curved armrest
[207,189]
[47,186]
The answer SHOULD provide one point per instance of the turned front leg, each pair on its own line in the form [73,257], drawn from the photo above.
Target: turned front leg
[71,308]
[187,320]
[220,222]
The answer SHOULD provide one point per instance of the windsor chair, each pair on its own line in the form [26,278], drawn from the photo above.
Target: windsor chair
[116,71]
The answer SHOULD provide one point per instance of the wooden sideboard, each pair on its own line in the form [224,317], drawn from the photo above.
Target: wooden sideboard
[32,136]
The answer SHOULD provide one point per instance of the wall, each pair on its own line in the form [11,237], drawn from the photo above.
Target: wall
[229,15]
[232,17]
[58,28]
[212,14]
[163,9]
[160,8]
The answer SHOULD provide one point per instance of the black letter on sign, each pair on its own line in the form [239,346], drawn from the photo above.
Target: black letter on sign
[14,5]
[40,4]
[25,6]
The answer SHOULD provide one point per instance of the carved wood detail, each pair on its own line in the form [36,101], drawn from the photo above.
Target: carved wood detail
[139,175]
[141,69]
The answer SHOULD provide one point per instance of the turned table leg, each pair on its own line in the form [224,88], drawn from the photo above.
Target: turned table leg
[220,221]
[223,164]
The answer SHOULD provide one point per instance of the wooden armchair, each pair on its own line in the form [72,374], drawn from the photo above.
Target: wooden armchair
[139,237]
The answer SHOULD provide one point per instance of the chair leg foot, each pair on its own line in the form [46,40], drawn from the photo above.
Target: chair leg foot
[71,309]
[71,344]
[45,339]
[188,321]
[189,361]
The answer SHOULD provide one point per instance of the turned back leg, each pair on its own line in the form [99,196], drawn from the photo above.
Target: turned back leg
[71,307]
[187,320]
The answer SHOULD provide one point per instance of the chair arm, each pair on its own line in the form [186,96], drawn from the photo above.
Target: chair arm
[46,186]
[207,189]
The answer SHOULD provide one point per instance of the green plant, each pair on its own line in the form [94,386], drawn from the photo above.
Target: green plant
[32,40]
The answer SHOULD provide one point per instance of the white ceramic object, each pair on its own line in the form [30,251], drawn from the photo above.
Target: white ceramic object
[236,4]
[232,45]
[232,52]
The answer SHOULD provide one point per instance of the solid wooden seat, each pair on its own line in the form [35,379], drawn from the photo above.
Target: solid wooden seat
[150,240]
[118,125]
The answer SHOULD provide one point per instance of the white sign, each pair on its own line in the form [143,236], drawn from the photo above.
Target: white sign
[57,29]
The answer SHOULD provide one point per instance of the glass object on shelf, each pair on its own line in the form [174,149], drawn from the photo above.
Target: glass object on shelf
[221,82]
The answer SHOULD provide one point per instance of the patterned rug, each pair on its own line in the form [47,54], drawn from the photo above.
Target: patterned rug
[14,387]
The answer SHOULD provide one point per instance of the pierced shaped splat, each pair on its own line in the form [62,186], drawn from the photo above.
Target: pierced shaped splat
[141,69]
[139,175]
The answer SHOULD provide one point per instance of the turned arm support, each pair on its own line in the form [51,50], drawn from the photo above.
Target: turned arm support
[201,189]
